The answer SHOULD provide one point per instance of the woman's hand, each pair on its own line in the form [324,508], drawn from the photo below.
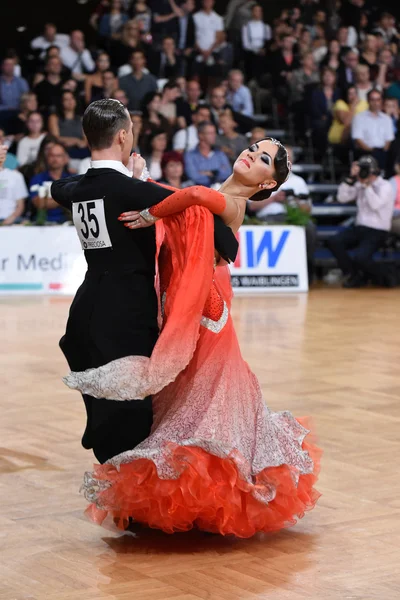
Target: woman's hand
[133,220]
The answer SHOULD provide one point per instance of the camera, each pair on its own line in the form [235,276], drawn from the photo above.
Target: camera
[368,166]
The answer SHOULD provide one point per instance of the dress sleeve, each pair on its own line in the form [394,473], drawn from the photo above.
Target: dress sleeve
[182,199]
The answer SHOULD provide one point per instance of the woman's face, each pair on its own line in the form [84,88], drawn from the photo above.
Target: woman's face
[69,102]
[371,43]
[31,103]
[173,169]
[328,79]
[255,165]
[334,47]
[35,123]
[103,62]
[159,143]
[155,104]
[351,95]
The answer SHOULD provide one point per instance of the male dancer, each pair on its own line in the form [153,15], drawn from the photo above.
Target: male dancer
[114,313]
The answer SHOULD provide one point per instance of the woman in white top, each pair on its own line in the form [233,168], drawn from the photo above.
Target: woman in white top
[28,146]
[255,34]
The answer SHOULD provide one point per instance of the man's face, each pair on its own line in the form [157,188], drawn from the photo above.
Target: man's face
[208,4]
[390,106]
[121,96]
[77,40]
[193,91]
[54,66]
[202,115]
[375,102]
[218,98]
[235,81]
[208,135]
[351,60]
[56,157]
[138,61]
[168,45]
[8,67]
[50,32]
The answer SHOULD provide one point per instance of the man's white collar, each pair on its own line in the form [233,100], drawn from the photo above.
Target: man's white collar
[111,164]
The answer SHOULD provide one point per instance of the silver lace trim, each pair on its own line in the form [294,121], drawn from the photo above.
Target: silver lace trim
[216,326]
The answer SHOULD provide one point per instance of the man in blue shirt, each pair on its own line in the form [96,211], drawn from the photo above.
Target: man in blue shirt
[239,96]
[204,165]
[39,187]
[11,87]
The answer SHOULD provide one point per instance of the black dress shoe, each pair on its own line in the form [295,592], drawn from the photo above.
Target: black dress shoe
[355,281]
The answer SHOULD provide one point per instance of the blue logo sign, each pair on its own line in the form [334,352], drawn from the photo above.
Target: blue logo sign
[265,247]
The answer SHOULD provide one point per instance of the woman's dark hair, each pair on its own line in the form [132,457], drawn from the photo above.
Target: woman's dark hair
[281,170]
[155,133]
[149,97]
[345,94]
[101,122]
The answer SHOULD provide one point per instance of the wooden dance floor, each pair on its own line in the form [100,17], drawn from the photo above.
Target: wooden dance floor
[334,354]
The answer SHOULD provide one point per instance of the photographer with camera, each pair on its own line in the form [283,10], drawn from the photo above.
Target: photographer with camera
[375,199]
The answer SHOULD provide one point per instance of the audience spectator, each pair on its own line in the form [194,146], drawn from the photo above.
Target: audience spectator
[218,105]
[363,81]
[11,161]
[282,63]
[347,71]
[121,50]
[77,57]
[186,106]
[51,52]
[166,14]
[386,28]
[369,55]
[66,125]
[49,38]
[17,126]
[332,57]
[11,88]
[391,108]
[256,134]
[153,119]
[173,171]
[94,83]
[121,96]
[347,37]
[344,111]
[209,30]
[50,89]
[387,71]
[239,95]
[255,35]
[141,13]
[158,145]
[137,129]
[302,79]
[395,183]
[112,22]
[138,83]
[204,165]
[13,192]
[375,201]
[166,64]
[372,130]
[28,146]
[393,91]
[170,93]
[47,209]
[187,138]
[229,141]
[108,87]
[186,37]
[322,101]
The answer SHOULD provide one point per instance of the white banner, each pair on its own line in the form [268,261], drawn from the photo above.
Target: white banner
[49,260]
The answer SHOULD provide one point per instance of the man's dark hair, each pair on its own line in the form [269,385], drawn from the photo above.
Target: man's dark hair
[171,85]
[199,107]
[282,170]
[201,126]
[101,122]
[373,91]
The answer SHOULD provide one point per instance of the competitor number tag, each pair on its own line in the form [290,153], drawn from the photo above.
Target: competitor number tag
[90,223]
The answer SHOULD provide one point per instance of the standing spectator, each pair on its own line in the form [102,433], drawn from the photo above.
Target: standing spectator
[28,146]
[209,31]
[50,89]
[375,201]
[186,106]
[66,125]
[205,165]
[322,101]
[112,22]
[141,14]
[49,38]
[48,209]
[239,95]
[229,141]
[255,35]
[363,82]
[165,20]
[166,64]
[13,192]
[347,71]
[138,83]
[77,57]
[173,170]
[158,145]
[187,138]
[302,80]
[344,111]
[372,130]
[282,62]
[121,50]
[11,87]
[94,82]
[186,38]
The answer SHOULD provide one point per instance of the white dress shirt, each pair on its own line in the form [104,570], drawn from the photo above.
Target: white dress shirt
[186,139]
[12,189]
[375,130]
[77,63]
[254,35]
[111,164]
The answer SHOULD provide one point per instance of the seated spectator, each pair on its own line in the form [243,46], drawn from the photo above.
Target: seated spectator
[94,82]
[387,71]
[369,55]
[17,127]
[229,141]
[344,111]
[363,82]
[218,105]
[304,42]
[108,87]
[165,16]
[138,83]
[141,14]
[347,37]
[187,138]
[170,93]
[372,130]
[293,191]
[153,120]
[391,108]
[387,28]
[320,46]
[322,101]
[393,91]
[395,183]
[239,95]
[185,106]
[166,64]
[121,50]
[158,145]
[173,171]
[319,20]
[11,161]
[255,35]
[121,96]
[11,90]
[28,146]
[256,134]
[47,209]
[13,193]
[204,165]
[137,130]
[49,38]
[301,80]
[77,57]
[332,57]
[112,22]
[186,34]
[374,198]
[209,30]
[50,89]
[51,52]
[66,125]
[346,73]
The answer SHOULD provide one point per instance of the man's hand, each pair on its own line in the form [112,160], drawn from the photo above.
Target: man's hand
[136,164]
[133,220]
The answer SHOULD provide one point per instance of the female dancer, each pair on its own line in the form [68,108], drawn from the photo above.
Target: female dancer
[217,458]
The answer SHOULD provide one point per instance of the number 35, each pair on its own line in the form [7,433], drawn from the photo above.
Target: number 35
[87,218]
